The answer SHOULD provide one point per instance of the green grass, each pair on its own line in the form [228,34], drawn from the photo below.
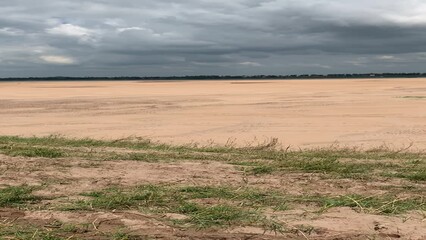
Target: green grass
[265,169]
[209,206]
[59,141]
[15,195]
[61,231]
[413,176]
[203,206]
[248,201]
[263,159]
[221,215]
[24,233]
[384,204]
[182,200]
[45,152]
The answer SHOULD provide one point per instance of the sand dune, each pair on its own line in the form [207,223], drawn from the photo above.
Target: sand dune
[303,113]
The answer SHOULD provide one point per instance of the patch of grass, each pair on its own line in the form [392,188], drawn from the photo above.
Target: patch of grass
[144,157]
[225,206]
[116,198]
[262,159]
[30,151]
[200,192]
[385,204]
[346,163]
[60,141]
[16,195]
[162,199]
[27,232]
[262,170]
[56,231]
[380,153]
[221,215]
[188,208]
[414,176]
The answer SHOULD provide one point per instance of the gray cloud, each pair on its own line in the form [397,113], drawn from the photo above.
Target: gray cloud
[168,37]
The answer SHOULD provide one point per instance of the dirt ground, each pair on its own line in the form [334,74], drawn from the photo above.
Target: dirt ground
[303,113]
[67,179]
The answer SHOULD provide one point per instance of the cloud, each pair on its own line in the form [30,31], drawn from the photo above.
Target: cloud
[131,29]
[70,30]
[386,57]
[170,37]
[11,31]
[63,60]
[250,64]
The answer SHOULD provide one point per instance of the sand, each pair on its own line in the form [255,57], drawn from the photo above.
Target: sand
[310,113]
[300,113]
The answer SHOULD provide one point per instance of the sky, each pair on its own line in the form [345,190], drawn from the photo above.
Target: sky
[199,37]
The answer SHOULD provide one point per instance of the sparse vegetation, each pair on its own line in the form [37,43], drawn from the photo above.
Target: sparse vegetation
[45,152]
[263,159]
[59,231]
[196,207]
[384,204]
[182,200]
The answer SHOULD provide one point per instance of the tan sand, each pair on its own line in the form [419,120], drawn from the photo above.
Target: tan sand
[302,113]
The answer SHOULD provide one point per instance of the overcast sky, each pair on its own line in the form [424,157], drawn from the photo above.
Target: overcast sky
[191,37]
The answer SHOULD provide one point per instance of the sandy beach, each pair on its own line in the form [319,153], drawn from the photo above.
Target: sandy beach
[302,113]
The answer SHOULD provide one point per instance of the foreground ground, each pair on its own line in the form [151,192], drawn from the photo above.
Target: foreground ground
[57,188]
[302,113]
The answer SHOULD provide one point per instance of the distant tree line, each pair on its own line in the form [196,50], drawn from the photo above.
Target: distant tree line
[224,77]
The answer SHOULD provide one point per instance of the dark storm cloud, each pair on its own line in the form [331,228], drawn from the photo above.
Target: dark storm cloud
[168,37]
